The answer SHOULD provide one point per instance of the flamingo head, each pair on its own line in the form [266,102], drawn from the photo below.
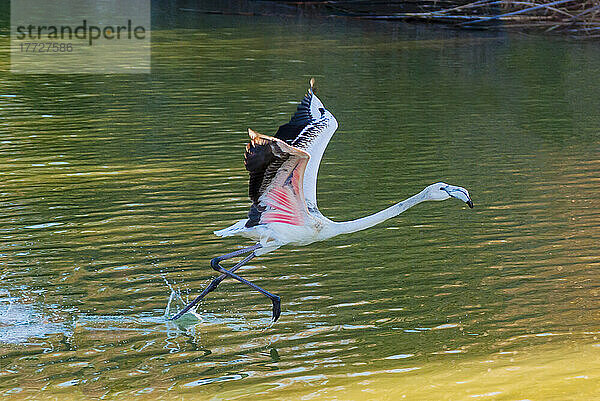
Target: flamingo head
[442,191]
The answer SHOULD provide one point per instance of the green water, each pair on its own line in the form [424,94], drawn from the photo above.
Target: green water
[111,186]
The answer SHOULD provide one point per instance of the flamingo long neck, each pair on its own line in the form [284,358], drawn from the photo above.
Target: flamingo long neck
[369,221]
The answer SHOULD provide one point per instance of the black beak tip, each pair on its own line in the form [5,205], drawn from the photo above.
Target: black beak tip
[470,203]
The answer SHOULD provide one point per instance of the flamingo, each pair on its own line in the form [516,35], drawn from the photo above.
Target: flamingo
[283,189]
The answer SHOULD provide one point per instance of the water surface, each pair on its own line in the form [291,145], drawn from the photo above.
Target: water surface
[111,186]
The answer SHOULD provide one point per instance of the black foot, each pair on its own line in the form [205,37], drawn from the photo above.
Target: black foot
[276,308]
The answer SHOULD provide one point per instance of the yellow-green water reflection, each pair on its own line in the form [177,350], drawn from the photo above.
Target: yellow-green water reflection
[111,187]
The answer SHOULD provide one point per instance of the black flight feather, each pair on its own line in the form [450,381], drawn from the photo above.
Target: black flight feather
[301,118]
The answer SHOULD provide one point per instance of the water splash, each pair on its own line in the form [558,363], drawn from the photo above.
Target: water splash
[20,322]
[190,317]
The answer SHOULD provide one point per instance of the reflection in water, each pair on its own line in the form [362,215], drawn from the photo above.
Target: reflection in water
[111,186]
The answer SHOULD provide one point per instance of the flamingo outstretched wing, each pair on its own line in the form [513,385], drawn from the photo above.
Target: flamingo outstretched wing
[276,181]
[310,129]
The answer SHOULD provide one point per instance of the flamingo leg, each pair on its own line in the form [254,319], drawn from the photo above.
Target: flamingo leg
[213,284]
[274,298]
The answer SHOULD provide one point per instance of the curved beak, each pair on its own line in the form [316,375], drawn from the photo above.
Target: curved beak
[459,193]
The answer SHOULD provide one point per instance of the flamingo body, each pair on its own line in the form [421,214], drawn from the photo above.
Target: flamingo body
[283,184]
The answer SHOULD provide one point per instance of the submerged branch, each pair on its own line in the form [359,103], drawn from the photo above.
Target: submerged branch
[575,17]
